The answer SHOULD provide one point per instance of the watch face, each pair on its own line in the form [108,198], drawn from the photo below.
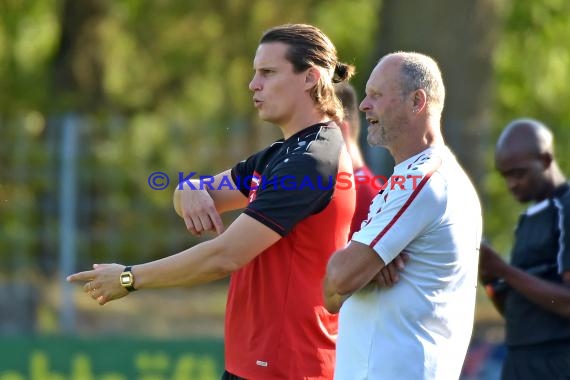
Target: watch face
[126,279]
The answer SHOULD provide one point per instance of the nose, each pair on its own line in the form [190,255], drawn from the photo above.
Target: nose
[364,106]
[255,84]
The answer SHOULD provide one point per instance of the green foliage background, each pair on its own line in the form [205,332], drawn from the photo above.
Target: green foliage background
[154,86]
[162,86]
[532,75]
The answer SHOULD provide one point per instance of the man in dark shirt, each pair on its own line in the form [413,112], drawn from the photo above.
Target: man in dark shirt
[294,218]
[533,292]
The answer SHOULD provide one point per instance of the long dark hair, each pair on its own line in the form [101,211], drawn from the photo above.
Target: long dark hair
[310,47]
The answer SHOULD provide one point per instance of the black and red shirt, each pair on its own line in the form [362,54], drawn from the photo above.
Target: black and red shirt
[276,324]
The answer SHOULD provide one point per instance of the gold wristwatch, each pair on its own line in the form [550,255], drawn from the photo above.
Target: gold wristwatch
[128,279]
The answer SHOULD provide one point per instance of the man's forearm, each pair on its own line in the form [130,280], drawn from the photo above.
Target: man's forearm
[199,264]
[550,296]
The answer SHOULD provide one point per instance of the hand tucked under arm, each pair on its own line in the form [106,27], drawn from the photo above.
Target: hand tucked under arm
[200,203]
[390,274]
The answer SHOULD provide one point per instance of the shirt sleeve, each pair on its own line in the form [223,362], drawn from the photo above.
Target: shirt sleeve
[243,172]
[563,255]
[399,216]
[296,188]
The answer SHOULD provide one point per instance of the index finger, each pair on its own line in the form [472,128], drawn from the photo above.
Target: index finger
[81,276]
[212,217]
[190,225]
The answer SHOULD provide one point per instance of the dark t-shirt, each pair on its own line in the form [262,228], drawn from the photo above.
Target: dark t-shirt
[542,248]
[291,179]
[276,324]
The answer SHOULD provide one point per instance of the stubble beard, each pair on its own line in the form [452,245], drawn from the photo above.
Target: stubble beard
[378,135]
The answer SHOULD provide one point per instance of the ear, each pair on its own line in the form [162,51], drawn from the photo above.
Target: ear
[312,76]
[418,100]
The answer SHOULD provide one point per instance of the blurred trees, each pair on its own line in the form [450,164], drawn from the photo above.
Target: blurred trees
[500,60]
[156,86]
[461,37]
[532,76]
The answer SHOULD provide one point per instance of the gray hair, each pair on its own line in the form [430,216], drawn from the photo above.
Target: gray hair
[419,71]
